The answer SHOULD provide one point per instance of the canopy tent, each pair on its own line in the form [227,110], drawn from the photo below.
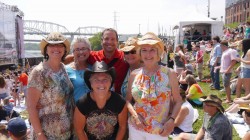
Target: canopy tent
[193,19]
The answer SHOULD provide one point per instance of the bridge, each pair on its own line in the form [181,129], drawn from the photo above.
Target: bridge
[35,30]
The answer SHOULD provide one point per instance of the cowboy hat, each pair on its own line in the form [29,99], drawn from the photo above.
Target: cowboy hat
[130,44]
[151,39]
[213,100]
[244,106]
[55,38]
[99,67]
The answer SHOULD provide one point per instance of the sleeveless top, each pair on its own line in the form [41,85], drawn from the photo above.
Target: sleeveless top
[187,123]
[244,65]
[101,124]
[152,98]
[178,62]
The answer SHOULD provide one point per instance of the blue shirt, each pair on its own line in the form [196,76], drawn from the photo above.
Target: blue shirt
[77,79]
[217,52]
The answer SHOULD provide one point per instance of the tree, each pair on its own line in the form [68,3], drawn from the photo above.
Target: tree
[96,41]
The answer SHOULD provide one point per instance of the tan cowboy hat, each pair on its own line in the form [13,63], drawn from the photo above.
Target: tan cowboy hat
[55,38]
[130,44]
[214,100]
[151,39]
[244,106]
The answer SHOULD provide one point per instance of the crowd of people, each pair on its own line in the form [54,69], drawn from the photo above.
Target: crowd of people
[145,89]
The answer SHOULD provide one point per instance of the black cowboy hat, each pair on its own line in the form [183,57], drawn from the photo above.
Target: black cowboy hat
[99,67]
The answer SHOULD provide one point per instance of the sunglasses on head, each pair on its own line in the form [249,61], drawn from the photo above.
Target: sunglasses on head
[130,52]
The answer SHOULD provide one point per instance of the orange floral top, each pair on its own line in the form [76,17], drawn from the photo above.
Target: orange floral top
[152,99]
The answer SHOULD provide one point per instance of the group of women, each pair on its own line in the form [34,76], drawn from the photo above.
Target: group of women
[77,99]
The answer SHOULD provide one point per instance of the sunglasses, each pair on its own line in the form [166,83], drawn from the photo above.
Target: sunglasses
[130,52]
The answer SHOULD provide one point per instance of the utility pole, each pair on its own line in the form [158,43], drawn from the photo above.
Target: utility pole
[115,21]
[139,29]
[208,8]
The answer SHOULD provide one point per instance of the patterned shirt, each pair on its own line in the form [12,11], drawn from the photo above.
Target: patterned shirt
[196,92]
[152,98]
[56,101]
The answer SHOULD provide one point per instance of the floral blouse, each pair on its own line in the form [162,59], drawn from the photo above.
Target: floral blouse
[152,99]
[56,100]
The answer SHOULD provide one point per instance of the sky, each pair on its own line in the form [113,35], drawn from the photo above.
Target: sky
[132,16]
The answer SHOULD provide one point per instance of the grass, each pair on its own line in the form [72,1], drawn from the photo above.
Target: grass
[206,89]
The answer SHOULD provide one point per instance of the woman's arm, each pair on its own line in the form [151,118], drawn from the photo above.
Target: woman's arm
[33,96]
[79,124]
[122,120]
[181,116]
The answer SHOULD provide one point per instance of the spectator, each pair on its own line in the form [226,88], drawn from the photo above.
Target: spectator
[179,59]
[23,79]
[3,89]
[182,81]
[17,129]
[214,61]
[101,113]
[216,125]
[151,89]
[50,88]
[81,50]
[194,91]
[199,62]
[184,119]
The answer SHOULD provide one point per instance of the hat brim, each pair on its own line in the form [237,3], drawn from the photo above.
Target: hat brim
[45,43]
[88,73]
[219,106]
[128,48]
[152,42]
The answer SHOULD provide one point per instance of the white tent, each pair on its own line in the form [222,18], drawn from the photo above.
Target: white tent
[194,19]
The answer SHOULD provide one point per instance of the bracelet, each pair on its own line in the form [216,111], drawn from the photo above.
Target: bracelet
[38,134]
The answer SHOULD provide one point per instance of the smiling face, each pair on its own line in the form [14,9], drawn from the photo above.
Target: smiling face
[149,54]
[100,83]
[81,51]
[56,51]
[132,57]
[109,41]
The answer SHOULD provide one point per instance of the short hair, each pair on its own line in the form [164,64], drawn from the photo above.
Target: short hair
[224,43]
[217,38]
[112,30]
[81,40]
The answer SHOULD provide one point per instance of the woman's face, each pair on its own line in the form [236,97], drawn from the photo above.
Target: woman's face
[149,54]
[81,51]
[56,51]
[100,83]
[132,57]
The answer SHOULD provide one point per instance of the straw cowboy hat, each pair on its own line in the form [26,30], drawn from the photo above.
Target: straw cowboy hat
[55,38]
[151,39]
[213,100]
[130,44]
[244,106]
[99,67]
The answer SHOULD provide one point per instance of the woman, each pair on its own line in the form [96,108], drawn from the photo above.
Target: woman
[244,68]
[49,87]
[184,119]
[132,57]
[194,91]
[101,113]
[179,59]
[81,49]
[3,89]
[150,87]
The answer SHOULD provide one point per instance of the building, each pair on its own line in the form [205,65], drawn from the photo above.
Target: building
[237,11]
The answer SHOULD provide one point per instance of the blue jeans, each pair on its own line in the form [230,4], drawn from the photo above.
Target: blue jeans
[215,77]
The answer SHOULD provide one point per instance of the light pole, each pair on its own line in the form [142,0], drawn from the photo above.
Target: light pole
[208,8]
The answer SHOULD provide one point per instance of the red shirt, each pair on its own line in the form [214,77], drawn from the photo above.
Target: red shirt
[121,67]
[199,54]
[24,79]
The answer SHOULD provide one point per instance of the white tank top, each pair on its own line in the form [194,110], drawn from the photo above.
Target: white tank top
[244,64]
[187,123]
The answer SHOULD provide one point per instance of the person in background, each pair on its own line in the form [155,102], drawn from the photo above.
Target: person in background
[3,89]
[7,105]
[151,90]
[3,114]
[50,88]
[17,129]
[23,79]
[214,61]
[182,81]
[16,89]
[247,30]
[100,114]
[184,119]
[81,50]
[179,59]
[216,125]
[199,62]
[244,68]
[194,91]
[132,57]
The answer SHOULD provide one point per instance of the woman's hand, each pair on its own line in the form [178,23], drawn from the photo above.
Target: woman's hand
[168,127]
[139,121]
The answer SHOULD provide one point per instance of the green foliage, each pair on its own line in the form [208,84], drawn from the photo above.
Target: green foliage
[32,46]
[232,25]
[96,42]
